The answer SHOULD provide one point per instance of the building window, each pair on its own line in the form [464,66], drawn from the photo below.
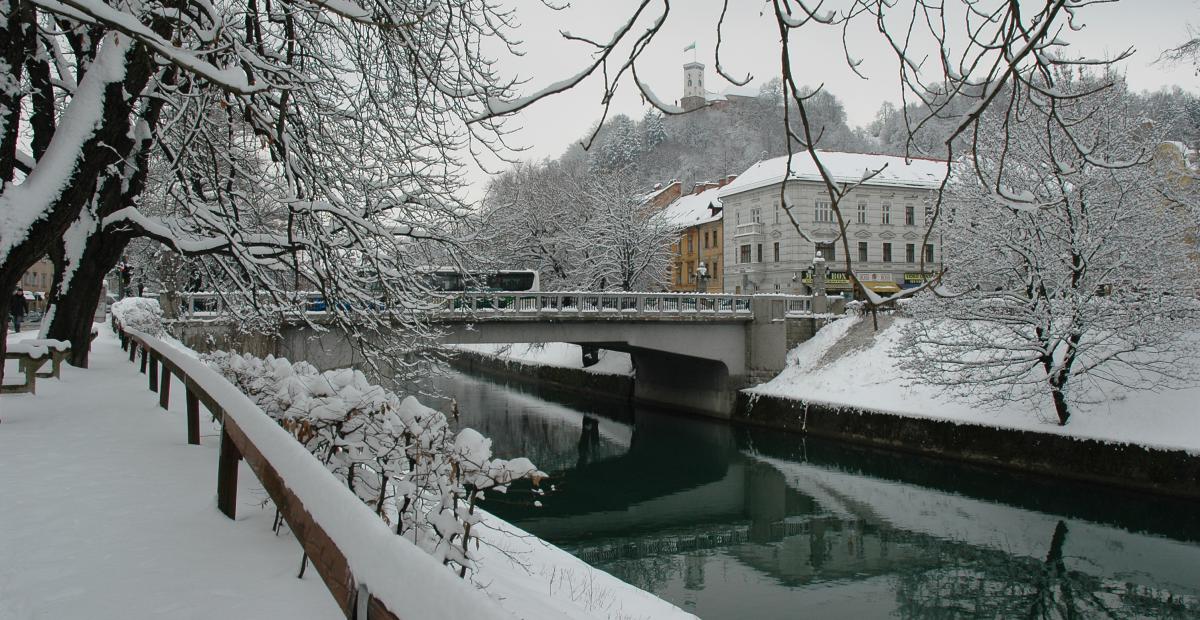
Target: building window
[737,217]
[744,253]
[689,239]
[823,213]
[826,251]
[862,251]
[887,252]
[929,252]
[712,272]
[691,272]
[706,239]
[910,215]
[777,213]
[777,286]
[862,213]
[759,248]
[678,274]
[885,214]
[928,215]
[756,215]
[910,253]
[777,251]
[716,238]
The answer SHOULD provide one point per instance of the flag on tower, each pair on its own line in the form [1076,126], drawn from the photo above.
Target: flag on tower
[690,47]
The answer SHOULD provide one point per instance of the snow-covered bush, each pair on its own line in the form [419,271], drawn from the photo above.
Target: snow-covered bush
[400,457]
[140,313]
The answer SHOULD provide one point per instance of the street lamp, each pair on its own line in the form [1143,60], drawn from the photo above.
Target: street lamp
[701,277]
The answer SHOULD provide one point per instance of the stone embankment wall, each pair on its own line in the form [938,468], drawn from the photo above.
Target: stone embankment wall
[572,381]
[1169,472]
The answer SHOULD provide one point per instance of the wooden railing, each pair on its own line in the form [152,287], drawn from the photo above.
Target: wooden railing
[332,549]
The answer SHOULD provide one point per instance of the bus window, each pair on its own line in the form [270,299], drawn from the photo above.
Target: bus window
[511,281]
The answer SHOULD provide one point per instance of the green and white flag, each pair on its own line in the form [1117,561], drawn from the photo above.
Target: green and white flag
[690,47]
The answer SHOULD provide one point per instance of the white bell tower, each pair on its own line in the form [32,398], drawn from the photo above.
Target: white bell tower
[693,85]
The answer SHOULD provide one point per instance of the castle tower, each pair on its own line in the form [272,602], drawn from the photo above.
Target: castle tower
[693,86]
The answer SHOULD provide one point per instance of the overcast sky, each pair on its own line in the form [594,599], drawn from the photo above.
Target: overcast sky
[750,45]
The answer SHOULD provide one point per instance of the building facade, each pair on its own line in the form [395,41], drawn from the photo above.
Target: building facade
[697,263]
[36,282]
[886,224]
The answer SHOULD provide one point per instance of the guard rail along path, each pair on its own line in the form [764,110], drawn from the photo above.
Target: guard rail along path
[371,572]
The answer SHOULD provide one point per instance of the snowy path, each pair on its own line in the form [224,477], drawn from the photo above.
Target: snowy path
[106,512]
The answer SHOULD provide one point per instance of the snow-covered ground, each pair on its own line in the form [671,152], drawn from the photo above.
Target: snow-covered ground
[108,513]
[558,354]
[848,364]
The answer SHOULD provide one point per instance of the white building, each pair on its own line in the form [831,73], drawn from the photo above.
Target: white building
[764,253]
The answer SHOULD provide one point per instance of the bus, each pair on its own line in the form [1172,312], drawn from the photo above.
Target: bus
[484,281]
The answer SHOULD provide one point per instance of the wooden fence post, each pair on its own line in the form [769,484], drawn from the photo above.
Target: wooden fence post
[164,387]
[145,357]
[227,473]
[132,350]
[193,418]
[153,374]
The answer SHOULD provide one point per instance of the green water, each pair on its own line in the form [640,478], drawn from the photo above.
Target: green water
[743,524]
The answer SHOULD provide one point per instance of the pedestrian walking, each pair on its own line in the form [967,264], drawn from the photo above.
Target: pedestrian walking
[17,309]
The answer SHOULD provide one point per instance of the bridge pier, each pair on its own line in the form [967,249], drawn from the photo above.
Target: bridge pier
[683,382]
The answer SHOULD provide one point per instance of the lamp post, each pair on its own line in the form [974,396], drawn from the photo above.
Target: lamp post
[701,278]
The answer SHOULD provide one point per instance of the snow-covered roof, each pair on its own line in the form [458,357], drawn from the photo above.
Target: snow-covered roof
[658,189]
[843,167]
[733,90]
[692,210]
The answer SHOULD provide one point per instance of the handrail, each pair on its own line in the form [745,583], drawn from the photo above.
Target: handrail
[555,303]
[348,545]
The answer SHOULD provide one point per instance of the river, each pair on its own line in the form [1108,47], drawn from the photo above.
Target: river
[736,523]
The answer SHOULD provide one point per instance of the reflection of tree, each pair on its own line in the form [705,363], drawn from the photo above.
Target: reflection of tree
[972,582]
[651,573]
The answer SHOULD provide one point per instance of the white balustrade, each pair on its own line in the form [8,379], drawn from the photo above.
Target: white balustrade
[541,304]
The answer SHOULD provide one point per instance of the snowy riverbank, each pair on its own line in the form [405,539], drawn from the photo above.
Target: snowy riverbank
[848,364]
[106,504]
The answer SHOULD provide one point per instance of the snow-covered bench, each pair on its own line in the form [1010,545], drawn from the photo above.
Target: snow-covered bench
[31,355]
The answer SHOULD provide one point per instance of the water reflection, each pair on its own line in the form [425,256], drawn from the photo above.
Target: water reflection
[729,522]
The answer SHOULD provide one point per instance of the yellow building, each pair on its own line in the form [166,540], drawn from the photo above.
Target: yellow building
[36,283]
[696,264]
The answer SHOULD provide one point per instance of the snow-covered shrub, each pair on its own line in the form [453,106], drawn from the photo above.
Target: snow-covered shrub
[398,456]
[140,313]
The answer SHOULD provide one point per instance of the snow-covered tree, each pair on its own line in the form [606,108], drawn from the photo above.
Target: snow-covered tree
[1069,268]
[627,248]
[353,114]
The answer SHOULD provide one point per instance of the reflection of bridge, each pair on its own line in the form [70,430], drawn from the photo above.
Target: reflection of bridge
[690,351]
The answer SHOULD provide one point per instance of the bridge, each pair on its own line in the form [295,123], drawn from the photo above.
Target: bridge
[689,351]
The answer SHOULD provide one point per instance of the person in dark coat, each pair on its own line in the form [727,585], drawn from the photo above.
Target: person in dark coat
[17,309]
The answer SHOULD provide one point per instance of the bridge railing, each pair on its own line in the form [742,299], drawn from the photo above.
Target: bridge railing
[546,303]
[583,303]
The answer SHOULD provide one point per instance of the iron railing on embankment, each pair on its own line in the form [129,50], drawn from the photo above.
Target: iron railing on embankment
[348,545]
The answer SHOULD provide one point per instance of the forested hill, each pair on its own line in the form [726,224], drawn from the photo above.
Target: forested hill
[726,139]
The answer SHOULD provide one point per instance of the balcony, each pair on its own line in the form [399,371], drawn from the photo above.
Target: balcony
[748,230]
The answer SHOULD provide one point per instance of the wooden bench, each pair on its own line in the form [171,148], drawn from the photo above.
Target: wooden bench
[31,356]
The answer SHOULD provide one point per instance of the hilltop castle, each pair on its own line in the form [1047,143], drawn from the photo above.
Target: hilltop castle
[696,96]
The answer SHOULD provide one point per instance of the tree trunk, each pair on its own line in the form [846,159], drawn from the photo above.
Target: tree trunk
[74,309]
[1060,401]
[4,322]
